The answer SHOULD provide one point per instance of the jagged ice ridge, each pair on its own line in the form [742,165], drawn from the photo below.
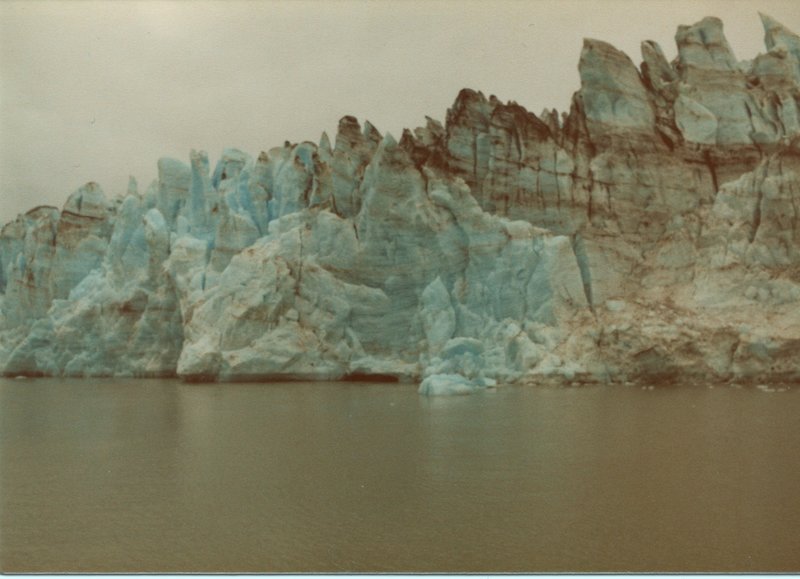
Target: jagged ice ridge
[650,234]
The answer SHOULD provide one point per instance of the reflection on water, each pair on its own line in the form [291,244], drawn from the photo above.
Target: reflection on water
[125,475]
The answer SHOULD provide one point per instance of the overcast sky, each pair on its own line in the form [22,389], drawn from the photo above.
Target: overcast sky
[99,91]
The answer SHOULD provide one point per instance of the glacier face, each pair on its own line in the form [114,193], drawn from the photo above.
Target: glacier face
[650,234]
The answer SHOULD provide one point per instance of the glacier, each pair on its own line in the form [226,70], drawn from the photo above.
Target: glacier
[648,235]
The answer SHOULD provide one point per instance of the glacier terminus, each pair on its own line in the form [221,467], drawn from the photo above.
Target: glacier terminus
[651,234]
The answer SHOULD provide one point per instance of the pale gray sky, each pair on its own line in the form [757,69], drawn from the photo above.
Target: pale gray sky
[100,90]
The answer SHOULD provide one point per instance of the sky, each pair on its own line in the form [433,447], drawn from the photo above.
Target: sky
[98,91]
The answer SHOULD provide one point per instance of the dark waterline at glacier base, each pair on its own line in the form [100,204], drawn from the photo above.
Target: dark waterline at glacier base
[159,475]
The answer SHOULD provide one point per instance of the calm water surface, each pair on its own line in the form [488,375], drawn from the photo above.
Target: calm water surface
[126,475]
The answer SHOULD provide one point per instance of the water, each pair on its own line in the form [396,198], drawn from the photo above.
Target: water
[125,475]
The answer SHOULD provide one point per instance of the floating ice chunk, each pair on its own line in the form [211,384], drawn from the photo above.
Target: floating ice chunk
[451,384]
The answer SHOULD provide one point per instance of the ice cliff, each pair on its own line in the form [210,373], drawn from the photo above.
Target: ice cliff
[651,234]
